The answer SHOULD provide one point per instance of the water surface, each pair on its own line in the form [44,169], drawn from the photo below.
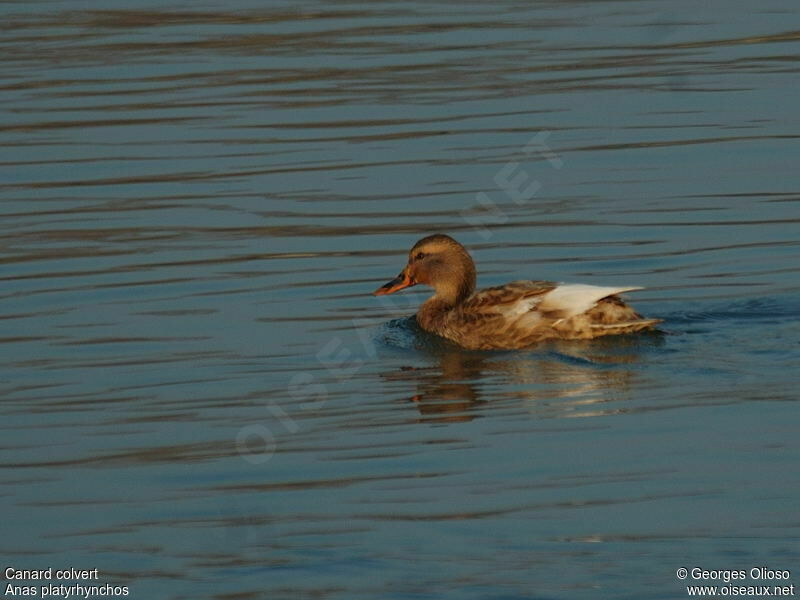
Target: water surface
[201,398]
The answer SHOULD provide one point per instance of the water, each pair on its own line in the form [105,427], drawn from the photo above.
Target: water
[200,397]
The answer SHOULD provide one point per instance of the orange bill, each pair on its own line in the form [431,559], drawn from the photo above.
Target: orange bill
[398,283]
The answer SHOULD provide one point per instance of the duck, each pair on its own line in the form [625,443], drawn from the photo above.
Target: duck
[517,315]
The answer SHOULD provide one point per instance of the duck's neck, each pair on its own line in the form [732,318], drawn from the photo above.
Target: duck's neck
[450,292]
[458,285]
[454,292]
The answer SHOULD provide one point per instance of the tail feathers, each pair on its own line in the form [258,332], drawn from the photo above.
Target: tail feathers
[625,326]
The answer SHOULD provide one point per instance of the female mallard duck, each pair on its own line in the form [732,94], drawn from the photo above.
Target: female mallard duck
[516,315]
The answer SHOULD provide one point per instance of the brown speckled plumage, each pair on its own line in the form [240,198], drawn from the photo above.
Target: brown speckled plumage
[519,314]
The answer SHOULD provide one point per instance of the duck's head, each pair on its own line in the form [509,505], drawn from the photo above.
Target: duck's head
[440,262]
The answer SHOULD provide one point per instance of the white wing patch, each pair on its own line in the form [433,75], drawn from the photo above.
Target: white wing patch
[523,312]
[521,307]
[576,298]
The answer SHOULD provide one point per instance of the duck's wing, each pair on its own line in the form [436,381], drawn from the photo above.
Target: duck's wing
[498,311]
[511,300]
[554,300]
[586,311]
[571,299]
[522,313]
[497,317]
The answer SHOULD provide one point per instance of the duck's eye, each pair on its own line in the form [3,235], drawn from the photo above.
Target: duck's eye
[419,256]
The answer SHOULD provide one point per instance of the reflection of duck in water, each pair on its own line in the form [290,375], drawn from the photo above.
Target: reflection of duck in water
[447,392]
[516,315]
[561,379]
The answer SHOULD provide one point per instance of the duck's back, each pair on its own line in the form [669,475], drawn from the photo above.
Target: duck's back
[523,313]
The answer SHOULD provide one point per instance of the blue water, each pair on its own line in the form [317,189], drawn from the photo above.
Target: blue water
[201,398]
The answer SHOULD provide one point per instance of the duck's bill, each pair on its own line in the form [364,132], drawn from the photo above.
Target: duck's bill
[396,284]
